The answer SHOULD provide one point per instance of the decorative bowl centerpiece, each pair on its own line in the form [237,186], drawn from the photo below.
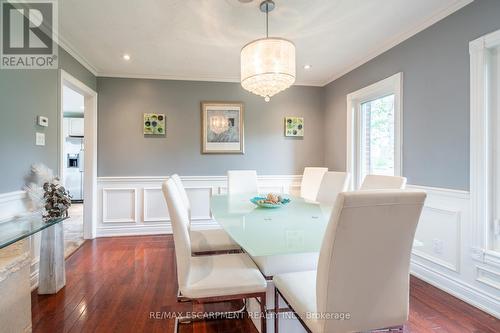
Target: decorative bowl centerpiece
[270,201]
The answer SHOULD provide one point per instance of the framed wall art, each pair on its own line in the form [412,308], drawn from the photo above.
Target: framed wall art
[154,124]
[294,126]
[222,128]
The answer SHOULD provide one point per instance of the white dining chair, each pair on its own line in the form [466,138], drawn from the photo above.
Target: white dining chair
[378,182]
[331,185]
[242,182]
[209,279]
[311,180]
[182,192]
[362,280]
[205,241]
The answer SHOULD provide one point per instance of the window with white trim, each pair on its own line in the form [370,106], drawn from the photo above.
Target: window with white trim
[485,147]
[374,125]
[494,75]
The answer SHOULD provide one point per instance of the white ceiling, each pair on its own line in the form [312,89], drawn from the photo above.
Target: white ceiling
[201,39]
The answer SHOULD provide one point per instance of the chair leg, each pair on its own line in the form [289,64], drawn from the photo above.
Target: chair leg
[181,298]
[399,328]
[218,315]
[263,313]
[276,310]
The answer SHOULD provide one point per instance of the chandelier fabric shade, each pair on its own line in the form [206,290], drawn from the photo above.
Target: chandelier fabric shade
[268,66]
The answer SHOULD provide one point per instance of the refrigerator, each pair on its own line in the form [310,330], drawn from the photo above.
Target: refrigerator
[74,154]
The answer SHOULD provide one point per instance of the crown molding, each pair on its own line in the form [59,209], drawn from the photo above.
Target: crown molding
[201,78]
[66,46]
[392,42]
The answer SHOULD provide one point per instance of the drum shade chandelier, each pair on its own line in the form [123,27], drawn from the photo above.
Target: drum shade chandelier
[267,64]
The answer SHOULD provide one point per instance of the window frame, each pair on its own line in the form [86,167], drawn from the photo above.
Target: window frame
[392,85]
[481,161]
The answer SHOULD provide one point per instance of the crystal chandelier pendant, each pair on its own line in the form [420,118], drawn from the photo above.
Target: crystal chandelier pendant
[268,64]
[218,123]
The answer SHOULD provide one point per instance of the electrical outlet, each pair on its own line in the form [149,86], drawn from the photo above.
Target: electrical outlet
[40,139]
[496,227]
[437,246]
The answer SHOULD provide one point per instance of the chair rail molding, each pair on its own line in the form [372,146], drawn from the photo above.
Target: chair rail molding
[480,149]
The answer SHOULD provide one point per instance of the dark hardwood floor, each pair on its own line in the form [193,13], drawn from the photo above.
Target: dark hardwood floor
[114,284]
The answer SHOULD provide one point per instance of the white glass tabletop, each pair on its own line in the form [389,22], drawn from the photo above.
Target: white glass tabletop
[296,228]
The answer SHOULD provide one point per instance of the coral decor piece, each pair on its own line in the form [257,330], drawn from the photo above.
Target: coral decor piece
[57,200]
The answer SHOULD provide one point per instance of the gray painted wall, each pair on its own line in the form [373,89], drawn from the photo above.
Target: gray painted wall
[435,66]
[124,151]
[24,94]
[73,67]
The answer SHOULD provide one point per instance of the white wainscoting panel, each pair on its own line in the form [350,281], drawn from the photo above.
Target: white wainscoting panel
[119,205]
[155,207]
[199,197]
[438,236]
[489,277]
[12,203]
[442,251]
[122,197]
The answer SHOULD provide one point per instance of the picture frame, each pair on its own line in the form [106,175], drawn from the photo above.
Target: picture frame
[222,128]
[294,127]
[154,124]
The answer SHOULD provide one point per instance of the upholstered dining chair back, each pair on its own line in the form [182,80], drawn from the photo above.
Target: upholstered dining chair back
[331,185]
[183,193]
[180,221]
[311,180]
[242,182]
[363,267]
[378,182]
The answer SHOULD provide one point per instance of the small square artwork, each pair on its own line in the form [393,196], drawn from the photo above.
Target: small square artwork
[154,124]
[294,126]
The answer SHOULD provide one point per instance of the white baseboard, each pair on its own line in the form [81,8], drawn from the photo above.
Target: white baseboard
[150,229]
[457,288]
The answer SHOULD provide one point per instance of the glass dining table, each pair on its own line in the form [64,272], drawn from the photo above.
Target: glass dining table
[295,228]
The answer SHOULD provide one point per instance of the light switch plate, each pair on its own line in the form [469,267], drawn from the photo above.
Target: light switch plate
[40,139]
[43,121]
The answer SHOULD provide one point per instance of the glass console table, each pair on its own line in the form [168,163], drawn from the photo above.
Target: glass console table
[51,272]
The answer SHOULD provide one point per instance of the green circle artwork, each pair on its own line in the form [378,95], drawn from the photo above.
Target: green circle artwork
[154,124]
[294,126]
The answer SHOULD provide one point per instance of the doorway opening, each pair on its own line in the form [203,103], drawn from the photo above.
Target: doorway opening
[73,157]
[78,158]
